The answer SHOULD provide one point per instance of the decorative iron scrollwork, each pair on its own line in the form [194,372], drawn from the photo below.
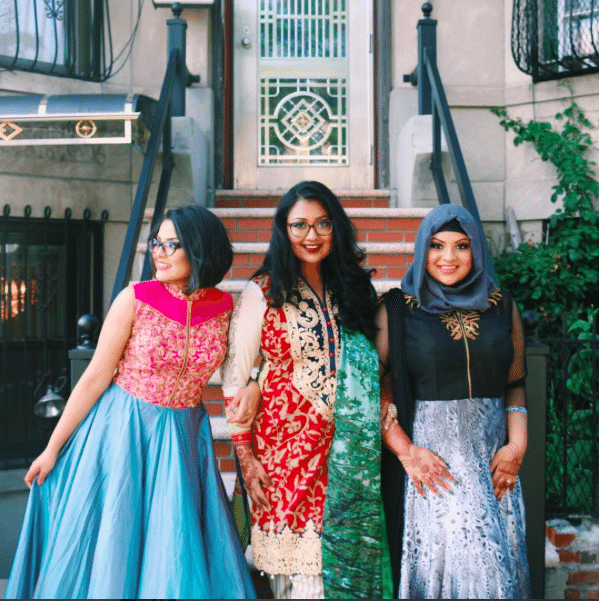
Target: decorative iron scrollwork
[552,39]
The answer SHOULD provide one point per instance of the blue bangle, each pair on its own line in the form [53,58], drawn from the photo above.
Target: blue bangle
[516,409]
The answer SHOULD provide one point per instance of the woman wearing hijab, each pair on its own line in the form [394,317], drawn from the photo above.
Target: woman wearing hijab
[452,342]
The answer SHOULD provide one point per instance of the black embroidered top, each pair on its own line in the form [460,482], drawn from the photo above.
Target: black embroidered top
[462,353]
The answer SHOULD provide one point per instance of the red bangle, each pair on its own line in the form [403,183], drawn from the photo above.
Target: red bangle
[241,438]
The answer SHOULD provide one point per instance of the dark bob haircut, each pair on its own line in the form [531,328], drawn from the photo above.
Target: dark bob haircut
[348,282]
[205,242]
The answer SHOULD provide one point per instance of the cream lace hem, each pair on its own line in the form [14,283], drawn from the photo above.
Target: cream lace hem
[287,552]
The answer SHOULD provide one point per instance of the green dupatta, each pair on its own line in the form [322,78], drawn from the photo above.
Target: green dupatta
[355,554]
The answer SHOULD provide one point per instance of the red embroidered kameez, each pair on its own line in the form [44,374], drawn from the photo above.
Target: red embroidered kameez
[292,434]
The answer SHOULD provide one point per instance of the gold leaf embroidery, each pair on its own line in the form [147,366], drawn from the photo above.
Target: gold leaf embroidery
[411,301]
[309,349]
[462,322]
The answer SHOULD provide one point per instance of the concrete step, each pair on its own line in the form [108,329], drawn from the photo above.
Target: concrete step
[271,198]
[235,286]
[386,234]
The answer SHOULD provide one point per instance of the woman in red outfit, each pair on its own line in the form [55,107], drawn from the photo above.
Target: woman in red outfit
[309,312]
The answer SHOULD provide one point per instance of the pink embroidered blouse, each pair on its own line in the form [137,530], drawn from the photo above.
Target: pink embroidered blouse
[176,343]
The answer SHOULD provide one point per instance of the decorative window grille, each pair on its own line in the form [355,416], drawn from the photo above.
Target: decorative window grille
[303,120]
[69,38]
[552,39]
[51,273]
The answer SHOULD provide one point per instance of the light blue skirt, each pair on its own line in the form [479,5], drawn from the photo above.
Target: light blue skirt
[134,508]
[464,544]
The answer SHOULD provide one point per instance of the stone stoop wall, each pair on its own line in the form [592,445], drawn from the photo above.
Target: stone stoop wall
[572,559]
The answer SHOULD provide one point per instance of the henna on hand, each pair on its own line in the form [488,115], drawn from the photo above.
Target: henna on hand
[254,476]
[426,468]
[505,467]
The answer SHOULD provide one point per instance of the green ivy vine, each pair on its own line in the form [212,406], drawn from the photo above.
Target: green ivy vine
[559,275]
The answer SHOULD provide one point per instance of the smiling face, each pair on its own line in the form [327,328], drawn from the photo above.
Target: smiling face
[449,257]
[174,270]
[312,248]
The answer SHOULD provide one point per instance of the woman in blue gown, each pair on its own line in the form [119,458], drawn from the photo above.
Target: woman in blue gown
[126,500]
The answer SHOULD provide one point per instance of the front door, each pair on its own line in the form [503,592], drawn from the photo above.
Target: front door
[302,93]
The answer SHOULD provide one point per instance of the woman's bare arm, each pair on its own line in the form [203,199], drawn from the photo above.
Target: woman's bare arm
[95,379]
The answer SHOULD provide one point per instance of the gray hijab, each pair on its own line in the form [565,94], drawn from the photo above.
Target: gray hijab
[470,293]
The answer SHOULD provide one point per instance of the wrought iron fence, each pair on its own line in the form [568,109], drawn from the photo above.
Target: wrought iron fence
[50,275]
[552,39]
[572,477]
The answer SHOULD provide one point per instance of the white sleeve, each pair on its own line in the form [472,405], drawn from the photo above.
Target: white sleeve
[245,333]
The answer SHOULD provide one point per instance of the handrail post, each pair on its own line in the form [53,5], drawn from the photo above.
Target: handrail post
[532,474]
[427,38]
[177,41]
[80,356]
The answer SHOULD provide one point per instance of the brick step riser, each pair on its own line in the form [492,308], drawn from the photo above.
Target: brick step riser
[247,229]
[269,204]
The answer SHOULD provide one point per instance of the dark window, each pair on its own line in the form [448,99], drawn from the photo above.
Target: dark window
[50,275]
[68,38]
[552,39]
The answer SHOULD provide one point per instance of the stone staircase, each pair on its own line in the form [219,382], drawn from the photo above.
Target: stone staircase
[386,234]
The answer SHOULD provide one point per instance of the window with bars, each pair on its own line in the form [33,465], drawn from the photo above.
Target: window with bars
[51,273]
[552,39]
[68,38]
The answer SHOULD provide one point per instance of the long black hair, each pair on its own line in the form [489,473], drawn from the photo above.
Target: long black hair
[342,273]
[205,243]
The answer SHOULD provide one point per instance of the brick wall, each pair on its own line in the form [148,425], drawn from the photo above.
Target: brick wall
[573,573]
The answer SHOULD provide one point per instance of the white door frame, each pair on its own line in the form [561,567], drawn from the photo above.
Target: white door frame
[356,171]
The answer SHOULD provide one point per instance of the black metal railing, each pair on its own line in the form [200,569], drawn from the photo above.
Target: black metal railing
[552,39]
[170,104]
[433,101]
[572,480]
[50,272]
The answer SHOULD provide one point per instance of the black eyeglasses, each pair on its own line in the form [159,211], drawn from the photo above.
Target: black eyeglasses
[300,229]
[168,246]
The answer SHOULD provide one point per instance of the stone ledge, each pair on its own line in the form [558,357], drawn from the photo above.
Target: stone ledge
[279,193]
[235,286]
[370,248]
[353,213]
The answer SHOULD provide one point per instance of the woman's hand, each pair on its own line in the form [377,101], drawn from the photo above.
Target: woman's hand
[243,407]
[254,476]
[505,466]
[426,468]
[41,467]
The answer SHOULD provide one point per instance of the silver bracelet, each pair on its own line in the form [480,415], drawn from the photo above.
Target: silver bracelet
[516,409]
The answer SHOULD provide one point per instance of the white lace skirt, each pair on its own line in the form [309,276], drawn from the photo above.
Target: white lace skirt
[464,544]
